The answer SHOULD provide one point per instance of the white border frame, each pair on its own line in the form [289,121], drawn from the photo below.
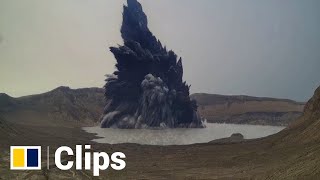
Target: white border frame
[25,157]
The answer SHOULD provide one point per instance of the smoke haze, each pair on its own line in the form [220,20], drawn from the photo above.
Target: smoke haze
[259,48]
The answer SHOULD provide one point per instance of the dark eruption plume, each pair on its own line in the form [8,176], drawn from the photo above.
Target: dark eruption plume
[147,89]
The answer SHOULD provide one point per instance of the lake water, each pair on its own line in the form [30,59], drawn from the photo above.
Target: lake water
[180,136]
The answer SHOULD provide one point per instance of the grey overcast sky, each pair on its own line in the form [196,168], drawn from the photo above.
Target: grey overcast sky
[252,47]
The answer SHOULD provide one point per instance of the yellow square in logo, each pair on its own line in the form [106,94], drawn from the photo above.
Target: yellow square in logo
[18,157]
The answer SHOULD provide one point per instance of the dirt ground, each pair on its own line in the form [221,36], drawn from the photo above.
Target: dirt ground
[255,159]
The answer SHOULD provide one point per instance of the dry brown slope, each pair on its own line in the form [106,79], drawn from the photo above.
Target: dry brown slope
[303,137]
[307,128]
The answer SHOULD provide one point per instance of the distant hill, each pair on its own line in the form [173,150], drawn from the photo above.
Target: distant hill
[83,107]
[247,109]
[62,105]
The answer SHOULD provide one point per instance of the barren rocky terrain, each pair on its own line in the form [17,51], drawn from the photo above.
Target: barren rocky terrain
[293,153]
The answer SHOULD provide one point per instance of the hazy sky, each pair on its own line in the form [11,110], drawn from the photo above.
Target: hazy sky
[252,47]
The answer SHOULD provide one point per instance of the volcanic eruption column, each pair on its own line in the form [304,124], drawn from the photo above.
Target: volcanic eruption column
[147,89]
